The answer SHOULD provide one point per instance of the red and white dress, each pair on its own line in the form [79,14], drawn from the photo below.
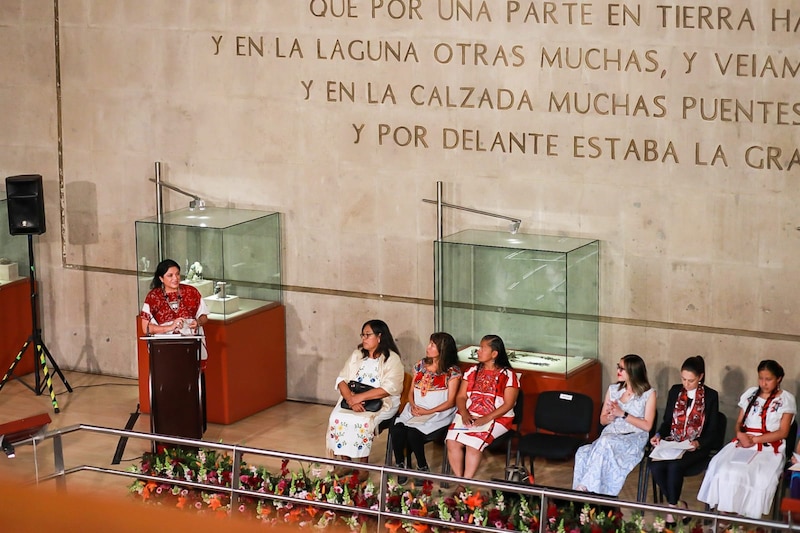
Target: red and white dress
[162,308]
[485,390]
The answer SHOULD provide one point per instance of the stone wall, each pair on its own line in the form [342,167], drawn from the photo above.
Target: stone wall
[667,131]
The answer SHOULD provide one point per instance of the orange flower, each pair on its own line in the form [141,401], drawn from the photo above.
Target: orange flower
[393,525]
[181,502]
[420,527]
[150,487]
[214,503]
[312,511]
[265,510]
[474,501]
[294,515]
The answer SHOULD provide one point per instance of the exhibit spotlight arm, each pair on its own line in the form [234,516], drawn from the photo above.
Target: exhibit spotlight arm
[196,203]
[440,205]
[515,222]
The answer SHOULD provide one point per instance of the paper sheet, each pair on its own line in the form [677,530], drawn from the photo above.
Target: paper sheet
[668,450]
[744,455]
[460,426]
[421,419]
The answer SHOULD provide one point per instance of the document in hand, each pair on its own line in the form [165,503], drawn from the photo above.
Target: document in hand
[796,466]
[668,450]
[418,420]
[459,425]
[744,455]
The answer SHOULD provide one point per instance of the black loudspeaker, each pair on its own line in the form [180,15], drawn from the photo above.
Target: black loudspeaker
[25,205]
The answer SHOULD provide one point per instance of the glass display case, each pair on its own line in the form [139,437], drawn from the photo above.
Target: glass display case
[539,293]
[14,261]
[232,256]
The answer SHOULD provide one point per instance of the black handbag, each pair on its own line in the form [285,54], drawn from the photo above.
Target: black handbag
[356,387]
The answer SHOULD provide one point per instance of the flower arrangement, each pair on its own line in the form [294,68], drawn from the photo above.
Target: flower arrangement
[214,468]
[500,510]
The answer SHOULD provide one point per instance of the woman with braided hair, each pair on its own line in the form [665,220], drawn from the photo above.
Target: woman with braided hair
[743,476]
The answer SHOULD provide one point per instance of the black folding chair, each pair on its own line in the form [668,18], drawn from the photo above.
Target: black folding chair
[563,421]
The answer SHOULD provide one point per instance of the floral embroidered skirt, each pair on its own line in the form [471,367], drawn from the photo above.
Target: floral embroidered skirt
[350,434]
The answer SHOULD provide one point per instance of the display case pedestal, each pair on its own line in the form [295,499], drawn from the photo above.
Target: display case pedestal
[15,316]
[246,366]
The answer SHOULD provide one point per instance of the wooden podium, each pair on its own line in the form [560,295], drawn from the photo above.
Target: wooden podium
[176,395]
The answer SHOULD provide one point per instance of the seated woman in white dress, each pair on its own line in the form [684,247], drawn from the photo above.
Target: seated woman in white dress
[743,476]
[431,401]
[628,413]
[375,362]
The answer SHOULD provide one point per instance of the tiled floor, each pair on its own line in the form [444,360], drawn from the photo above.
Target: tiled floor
[289,427]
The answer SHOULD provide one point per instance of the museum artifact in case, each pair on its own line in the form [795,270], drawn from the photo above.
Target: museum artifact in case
[539,293]
[233,257]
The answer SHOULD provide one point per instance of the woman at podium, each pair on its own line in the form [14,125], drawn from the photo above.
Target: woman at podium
[170,307]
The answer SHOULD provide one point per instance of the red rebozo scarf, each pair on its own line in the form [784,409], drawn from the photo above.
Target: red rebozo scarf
[688,426]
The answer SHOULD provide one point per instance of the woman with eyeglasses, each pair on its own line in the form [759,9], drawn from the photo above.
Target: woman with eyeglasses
[354,421]
[431,401]
[691,416]
[485,407]
[628,413]
[743,476]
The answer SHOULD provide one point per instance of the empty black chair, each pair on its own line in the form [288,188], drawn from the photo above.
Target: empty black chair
[563,421]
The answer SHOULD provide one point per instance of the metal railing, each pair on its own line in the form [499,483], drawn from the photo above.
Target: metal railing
[712,520]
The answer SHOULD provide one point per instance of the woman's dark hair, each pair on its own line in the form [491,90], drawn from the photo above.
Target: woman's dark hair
[696,365]
[772,366]
[386,342]
[161,269]
[637,374]
[776,370]
[497,345]
[448,352]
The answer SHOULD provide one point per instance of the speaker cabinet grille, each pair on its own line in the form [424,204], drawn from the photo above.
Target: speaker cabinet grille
[25,205]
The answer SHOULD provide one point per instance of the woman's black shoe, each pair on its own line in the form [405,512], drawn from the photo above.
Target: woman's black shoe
[401,480]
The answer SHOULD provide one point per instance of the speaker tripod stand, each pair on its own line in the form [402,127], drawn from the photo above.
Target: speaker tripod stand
[40,351]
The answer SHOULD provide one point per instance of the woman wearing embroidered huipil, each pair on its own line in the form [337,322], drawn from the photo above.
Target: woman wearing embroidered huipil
[169,306]
[431,400]
[485,407]
[628,414]
[375,362]
[691,415]
[740,482]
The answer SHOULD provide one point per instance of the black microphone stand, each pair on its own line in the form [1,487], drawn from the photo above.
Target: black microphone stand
[40,350]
